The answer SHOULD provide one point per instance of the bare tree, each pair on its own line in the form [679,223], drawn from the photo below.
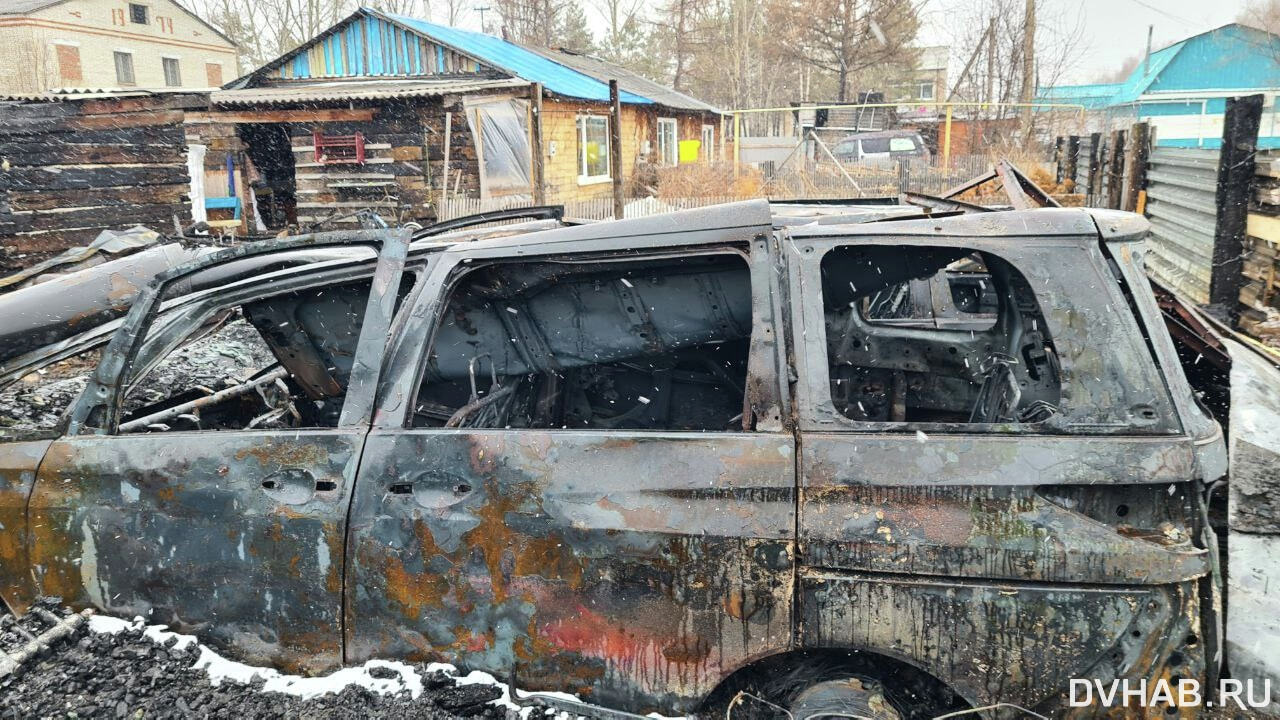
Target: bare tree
[548,23]
[843,37]
[623,20]
[1261,14]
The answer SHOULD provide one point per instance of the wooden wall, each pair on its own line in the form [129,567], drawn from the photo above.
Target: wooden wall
[639,125]
[391,181]
[70,169]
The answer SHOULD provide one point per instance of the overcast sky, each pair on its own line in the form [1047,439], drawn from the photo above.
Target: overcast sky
[1114,29]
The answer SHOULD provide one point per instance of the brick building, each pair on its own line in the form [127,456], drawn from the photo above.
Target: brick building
[52,44]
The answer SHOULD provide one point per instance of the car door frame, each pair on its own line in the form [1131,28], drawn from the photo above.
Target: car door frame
[129,523]
[886,514]
[479,462]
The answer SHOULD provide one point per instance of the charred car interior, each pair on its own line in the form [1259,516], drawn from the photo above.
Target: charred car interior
[657,344]
[727,460]
[919,334]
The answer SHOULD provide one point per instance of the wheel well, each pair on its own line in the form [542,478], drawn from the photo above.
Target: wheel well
[780,678]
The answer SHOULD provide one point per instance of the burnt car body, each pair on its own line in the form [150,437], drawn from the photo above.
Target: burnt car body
[656,462]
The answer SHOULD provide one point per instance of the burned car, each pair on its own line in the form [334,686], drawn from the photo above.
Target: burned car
[910,466]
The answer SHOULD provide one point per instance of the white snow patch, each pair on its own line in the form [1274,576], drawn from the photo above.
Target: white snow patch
[220,669]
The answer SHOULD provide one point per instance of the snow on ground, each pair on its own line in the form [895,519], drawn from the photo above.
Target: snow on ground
[402,678]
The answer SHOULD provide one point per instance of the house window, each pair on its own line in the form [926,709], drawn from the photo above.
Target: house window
[213,73]
[667,130]
[172,75]
[708,142]
[925,91]
[138,14]
[69,70]
[124,67]
[593,148]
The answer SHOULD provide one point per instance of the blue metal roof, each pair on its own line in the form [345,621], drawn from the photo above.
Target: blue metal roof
[1232,57]
[518,61]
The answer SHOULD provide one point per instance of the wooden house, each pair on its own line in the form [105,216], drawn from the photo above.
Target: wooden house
[394,114]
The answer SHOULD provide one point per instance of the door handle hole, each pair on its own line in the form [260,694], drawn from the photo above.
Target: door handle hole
[461,489]
[326,485]
[269,485]
[401,489]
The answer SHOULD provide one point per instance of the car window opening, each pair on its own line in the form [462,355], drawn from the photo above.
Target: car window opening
[935,335]
[654,345]
[279,362]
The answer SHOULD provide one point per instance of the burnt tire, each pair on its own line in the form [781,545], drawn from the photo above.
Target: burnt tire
[846,698]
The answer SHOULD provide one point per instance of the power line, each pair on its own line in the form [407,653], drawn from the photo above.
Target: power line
[1166,13]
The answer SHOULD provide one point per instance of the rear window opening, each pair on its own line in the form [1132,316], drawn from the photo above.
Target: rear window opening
[935,335]
[653,345]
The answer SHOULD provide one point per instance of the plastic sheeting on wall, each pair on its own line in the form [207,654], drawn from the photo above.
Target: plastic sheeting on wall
[503,136]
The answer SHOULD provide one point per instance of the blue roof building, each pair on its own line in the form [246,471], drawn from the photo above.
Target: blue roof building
[403,116]
[1182,89]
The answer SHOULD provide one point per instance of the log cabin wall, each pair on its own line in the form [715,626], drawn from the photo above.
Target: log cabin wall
[392,179]
[73,168]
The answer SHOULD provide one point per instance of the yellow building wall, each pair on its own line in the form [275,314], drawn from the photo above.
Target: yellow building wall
[639,144]
[96,29]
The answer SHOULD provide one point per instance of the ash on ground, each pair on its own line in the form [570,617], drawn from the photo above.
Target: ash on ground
[225,356]
[129,675]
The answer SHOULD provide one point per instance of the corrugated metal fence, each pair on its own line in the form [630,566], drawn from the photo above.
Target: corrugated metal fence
[1181,206]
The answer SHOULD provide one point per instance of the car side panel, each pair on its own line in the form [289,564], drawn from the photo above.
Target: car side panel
[235,535]
[634,568]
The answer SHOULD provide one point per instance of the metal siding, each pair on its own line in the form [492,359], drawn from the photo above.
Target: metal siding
[1181,205]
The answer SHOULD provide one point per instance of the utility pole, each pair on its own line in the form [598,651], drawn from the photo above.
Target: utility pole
[1028,69]
[482,9]
[990,95]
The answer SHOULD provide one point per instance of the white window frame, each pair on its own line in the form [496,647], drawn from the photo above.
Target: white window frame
[708,137]
[164,69]
[583,178]
[133,68]
[668,153]
[920,86]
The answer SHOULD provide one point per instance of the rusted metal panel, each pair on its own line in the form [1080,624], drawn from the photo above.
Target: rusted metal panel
[235,535]
[19,460]
[635,568]
[1008,533]
[993,643]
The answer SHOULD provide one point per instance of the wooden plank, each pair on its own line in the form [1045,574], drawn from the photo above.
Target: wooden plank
[281,116]
[1264,227]
[69,178]
[155,215]
[97,197]
[36,154]
[77,123]
[350,204]
[1139,148]
[1268,167]
[1235,177]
